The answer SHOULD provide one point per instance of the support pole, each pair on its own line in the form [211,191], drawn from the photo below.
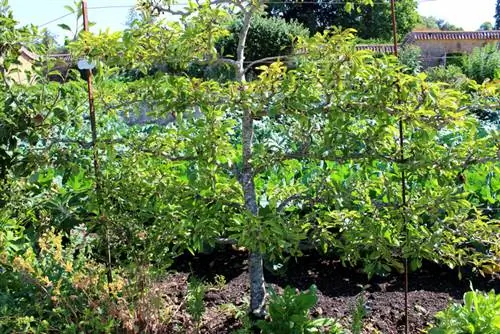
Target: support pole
[93,127]
[403,176]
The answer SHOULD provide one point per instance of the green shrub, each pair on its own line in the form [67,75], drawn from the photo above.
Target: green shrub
[483,63]
[455,59]
[70,290]
[480,314]
[289,314]
[267,37]
[410,58]
[451,74]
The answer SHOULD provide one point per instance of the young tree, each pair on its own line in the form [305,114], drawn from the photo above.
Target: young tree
[247,171]
[306,153]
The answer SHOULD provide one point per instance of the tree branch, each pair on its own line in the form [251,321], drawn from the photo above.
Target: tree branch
[290,199]
[160,9]
[270,60]
[242,37]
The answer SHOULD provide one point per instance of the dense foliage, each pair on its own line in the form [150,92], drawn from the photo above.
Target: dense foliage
[410,56]
[432,23]
[289,313]
[267,37]
[370,21]
[305,154]
[483,63]
[480,313]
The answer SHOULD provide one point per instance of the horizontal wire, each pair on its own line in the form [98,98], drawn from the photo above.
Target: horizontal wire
[110,7]
[55,20]
[186,4]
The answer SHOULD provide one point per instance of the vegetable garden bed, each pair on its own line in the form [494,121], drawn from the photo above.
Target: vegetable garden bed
[431,289]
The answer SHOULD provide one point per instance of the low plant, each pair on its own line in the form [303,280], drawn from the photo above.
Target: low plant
[239,313]
[483,63]
[290,314]
[56,287]
[358,315]
[451,74]
[480,313]
[410,57]
[195,306]
[219,282]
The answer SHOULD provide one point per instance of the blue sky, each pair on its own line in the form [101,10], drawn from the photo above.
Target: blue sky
[464,13]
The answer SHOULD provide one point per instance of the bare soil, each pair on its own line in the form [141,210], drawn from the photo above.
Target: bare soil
[431,289]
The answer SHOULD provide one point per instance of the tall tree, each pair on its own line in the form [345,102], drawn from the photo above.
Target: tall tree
[497,16]
[371,22]
[432,23]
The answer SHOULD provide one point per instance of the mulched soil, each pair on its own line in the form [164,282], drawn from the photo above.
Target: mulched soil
[431,289]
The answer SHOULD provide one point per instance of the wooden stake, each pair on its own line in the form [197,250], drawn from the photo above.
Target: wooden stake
[403,176]
[93,128]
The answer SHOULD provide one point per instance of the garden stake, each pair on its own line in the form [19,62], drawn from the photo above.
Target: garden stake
[93,128]
[403,179]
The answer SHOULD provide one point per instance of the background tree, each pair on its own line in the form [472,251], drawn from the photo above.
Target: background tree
[427,23]
[370,22]
[486,26]
[447,26]
[497,16]
[432,23]
[267,37]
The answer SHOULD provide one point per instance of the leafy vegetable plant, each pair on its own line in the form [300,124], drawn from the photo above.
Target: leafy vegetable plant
[289,314]
[479,314]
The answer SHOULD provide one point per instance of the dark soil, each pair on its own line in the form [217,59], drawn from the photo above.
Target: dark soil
[431,289]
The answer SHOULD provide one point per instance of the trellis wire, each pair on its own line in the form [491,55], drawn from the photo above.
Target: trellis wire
[186,4]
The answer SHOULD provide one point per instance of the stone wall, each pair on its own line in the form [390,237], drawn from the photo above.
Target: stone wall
[434,51]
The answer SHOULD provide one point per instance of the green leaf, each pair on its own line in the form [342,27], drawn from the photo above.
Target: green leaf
[64,26]
[69,9]
[349,7]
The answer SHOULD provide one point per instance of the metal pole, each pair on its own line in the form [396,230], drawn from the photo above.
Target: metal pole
[95,149]
[403,176]
[394,28]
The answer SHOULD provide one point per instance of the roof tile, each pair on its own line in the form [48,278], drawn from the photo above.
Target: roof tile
[451,35]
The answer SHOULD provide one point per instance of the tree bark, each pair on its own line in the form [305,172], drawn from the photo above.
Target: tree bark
[255,267]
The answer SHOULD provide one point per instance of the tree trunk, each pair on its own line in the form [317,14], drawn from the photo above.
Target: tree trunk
[255,267]
[257,284]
